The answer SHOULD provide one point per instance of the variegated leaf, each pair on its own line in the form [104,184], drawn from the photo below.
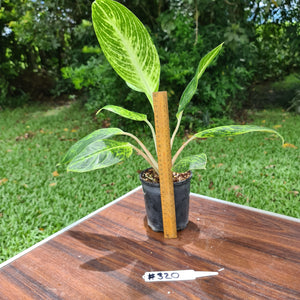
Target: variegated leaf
[134,87]
[231,130]
[124,113]
[100,154]
[99,134]
[190,163]
[191,88]
[127,45]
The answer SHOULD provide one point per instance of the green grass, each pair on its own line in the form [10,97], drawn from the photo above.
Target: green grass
[254,169]
[34,203]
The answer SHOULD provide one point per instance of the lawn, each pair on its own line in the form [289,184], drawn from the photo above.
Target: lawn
[37,198]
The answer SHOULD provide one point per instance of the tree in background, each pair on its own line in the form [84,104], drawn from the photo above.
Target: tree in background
[47,45]
[36,40]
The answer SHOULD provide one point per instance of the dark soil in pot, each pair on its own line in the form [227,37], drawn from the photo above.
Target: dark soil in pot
[151,188]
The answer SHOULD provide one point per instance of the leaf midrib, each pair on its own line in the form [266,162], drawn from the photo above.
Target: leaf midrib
[132,56]
[98,152]
[207,62]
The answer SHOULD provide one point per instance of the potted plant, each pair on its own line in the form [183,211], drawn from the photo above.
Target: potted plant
[129,49]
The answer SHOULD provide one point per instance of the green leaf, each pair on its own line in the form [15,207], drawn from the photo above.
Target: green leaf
[233,130]
[127,45]
[124,113]
[100,154]
[133,87]
[190,163]
[99,134]
[191,88]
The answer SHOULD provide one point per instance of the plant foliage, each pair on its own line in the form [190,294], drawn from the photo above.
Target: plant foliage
[128,47]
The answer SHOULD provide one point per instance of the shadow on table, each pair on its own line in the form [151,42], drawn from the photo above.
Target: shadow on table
[140,256]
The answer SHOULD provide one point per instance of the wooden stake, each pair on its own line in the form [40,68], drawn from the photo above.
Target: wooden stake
[162,129]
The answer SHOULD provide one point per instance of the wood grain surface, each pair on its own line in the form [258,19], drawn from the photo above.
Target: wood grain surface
[105,256]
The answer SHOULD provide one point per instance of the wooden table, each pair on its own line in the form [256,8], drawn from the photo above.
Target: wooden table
[104,256]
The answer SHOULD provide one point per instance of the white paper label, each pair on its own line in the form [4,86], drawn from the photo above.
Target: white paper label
[176,275]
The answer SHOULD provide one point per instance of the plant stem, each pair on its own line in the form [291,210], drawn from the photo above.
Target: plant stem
[181,148]
[153,133]
[139,152]
[147,153]
[176,129]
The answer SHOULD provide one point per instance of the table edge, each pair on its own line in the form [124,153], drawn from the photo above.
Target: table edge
[269,213]
[10,260]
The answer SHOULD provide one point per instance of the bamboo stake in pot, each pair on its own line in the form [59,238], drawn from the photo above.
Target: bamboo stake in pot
[162,129]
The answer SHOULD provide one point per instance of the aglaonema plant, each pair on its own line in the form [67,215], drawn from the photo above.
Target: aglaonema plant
[129,49]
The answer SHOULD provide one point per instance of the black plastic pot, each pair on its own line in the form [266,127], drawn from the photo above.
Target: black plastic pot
[153,203]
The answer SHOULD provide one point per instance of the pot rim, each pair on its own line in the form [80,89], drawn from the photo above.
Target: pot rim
[154,184]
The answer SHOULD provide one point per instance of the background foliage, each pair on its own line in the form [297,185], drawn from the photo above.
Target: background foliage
[48,49]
